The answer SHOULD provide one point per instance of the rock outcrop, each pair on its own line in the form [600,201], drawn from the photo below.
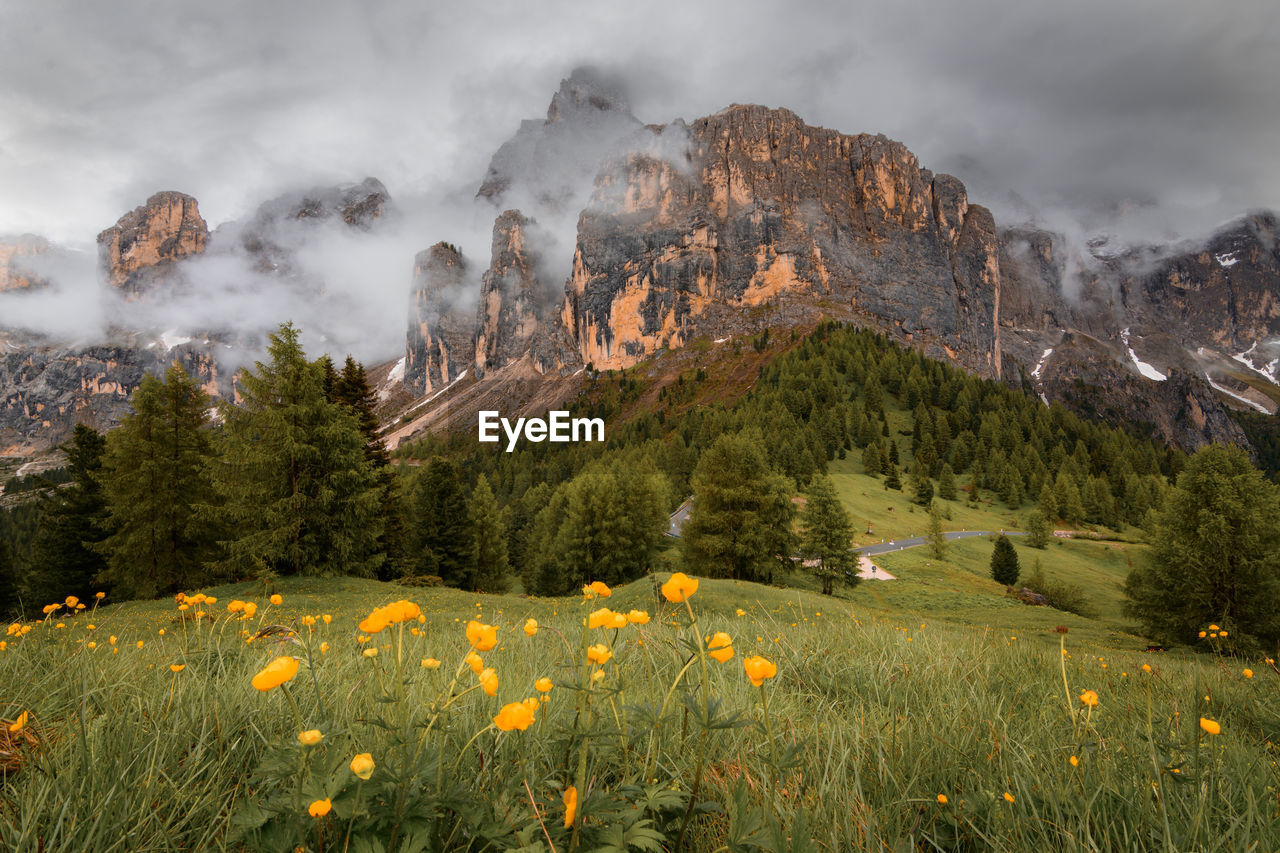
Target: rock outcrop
[751,207]
[18,256]
[441,343]
[142,248]
[512,300]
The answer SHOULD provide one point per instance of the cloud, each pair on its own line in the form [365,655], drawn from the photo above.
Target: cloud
[1145,119]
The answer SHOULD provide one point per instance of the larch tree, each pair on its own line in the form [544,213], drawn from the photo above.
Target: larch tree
[827,536]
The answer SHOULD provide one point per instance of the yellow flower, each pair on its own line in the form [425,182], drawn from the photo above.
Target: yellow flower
[481,636]
[543,685]
[1222,633]
[599,653]
[1075,762]
[742,612]
[474,661]
[327,618]
[619,621]
[759,668]
[277,600]
[1202,635]
[324,648]
[1146,667]
[177,667]
[597,675]
[310,737]
[371,652]
[1008,797]
[18,724]
[277,672]
[184,606]
[92,645]
[515,715]
[942,799]
[320,808]
[1210,726]
[638,617]
[596,588]
[140,644]
[49,608]
[250,609]
[72,601]
[679,587]
[531,626]
[375,621]
[1213,627]
[112,639]
[720,646]
[430,663]
[1090,698]
[601,618]
[570,805]
[99,595]
[489,681]
[362,765]
[1248,673]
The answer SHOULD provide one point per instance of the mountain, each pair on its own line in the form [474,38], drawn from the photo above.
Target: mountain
[615,241]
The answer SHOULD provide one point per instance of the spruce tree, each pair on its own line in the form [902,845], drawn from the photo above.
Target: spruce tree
[66,561]
[297,491]
[1004,562]
[155,481]
[740,524]
[489,555]
[947,483]
[827,536]
[871,459]
[891,479]
[8,582]
[937,538]
[443,536]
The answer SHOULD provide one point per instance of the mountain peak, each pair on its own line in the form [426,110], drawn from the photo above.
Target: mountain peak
[586,91]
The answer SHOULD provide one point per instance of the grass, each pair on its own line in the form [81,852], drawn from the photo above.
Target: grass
[879,706]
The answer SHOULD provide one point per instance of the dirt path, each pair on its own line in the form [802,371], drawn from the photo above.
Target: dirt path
[870,571]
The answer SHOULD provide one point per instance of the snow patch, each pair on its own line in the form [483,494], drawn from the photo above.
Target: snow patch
[720,340]
[1035,374]
[172,339]
[1043,398]
[1228,259]
[1268,370]
[394,377]
[1145,369]
[1234,395]
[460,377]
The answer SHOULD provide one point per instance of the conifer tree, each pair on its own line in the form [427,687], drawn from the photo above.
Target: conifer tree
[155,481]
[443,535]
[298,493]
[827,536]
[8,582]
[937,538]
[740,524]
[1004,562]
[871,459]
[489,557]
[947,483]
[891,478]
[1038,529]
[65,560]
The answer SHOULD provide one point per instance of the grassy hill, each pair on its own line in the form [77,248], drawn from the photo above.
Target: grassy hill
[881,705]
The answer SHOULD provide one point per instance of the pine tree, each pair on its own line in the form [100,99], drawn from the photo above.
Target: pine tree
[828,536]
[891,479]
[1070,506]
[871,459]
[740,524]
[947,483]
[489,557]
[1047,503]
[298,493]
[1038,530]
[443,535]
[1004,562]
[8,582]
[920,484]
[65,560]
[937,538]
[155,481]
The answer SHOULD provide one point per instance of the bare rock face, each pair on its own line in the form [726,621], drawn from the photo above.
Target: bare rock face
[512,300]
[441,343]
[17,255]
[750,208]
[143,246]
[45,390]
[282,222]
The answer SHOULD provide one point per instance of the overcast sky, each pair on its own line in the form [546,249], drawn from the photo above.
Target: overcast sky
[1166,112]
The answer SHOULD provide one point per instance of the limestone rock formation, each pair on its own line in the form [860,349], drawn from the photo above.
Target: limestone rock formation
[751,207]
[18,255]
[142,248]
[441,342]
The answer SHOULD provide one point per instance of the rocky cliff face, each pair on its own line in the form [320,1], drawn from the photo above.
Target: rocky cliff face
[18,255]
[750,208]
[142,248]
[441,343]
